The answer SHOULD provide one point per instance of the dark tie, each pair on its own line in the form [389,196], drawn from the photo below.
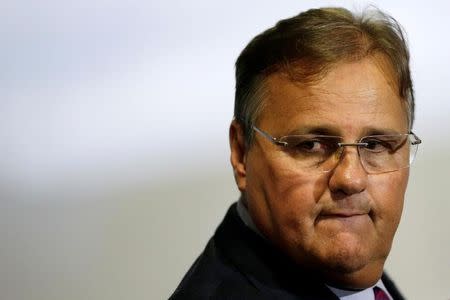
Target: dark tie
[380,294]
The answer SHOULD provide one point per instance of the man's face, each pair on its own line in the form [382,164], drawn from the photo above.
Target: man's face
[340,223]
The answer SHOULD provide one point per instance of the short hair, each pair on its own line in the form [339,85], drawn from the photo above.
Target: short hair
[306,46]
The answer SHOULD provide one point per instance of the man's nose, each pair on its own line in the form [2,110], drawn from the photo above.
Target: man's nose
[349,176]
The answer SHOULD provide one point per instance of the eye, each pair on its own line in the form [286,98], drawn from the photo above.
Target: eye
[380,144]
[313,145]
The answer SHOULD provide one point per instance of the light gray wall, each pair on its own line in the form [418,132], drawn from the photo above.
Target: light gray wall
[114,156]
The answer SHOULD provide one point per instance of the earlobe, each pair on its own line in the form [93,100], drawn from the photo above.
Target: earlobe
[238,154]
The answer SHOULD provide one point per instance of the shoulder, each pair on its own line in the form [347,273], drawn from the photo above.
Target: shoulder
[222,289]
[391,287]
[211,277]
[216,273]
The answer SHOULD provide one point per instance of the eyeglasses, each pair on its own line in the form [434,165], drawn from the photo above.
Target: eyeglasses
[377,153]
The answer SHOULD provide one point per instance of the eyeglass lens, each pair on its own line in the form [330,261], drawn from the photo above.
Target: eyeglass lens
[380,154]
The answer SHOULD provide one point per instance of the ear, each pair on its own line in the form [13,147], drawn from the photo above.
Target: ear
[238,154]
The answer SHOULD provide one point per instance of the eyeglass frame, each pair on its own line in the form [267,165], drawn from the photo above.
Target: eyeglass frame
[358,144]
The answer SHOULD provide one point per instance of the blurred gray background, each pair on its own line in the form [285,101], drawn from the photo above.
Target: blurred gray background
[114,159]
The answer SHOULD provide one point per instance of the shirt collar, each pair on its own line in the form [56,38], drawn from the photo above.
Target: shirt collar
[245,217]
[366,294]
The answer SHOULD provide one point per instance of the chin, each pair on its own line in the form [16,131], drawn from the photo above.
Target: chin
[349,252]
[351,267]
[345,260]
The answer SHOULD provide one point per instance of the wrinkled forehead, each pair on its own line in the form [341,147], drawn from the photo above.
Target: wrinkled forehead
[358,90]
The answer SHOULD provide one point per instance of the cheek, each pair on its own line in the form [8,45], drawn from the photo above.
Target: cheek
[387,194]
[289,187]
[281,198]
[292,199]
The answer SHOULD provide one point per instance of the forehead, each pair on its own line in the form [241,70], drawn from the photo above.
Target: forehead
[350,97]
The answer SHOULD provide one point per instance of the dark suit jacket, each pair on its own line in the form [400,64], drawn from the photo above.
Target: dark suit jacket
[238,264]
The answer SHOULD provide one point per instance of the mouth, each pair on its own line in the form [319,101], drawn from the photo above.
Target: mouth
[345,216]
[342,214]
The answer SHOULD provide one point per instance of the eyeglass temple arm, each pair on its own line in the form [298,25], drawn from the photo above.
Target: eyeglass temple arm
[269,137]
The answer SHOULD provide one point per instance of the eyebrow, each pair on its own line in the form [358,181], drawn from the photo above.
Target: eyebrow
[380,131]
[315,129]
[334,131]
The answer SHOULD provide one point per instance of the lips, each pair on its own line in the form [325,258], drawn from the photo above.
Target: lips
[346,209]
[343,214]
